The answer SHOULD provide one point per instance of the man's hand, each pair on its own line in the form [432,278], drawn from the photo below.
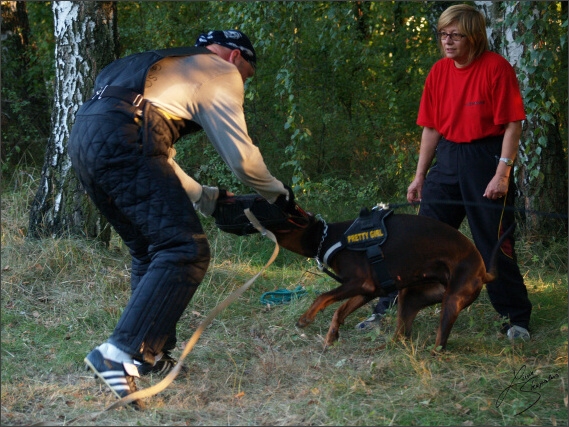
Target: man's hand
[223,194]
[286,202]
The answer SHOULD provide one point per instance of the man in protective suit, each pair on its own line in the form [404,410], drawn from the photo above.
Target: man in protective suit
[121,147]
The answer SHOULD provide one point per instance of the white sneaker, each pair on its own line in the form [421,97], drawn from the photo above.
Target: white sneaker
[371,322]
[516,332]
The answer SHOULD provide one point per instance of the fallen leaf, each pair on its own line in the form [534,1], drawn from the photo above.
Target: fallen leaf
[239,395]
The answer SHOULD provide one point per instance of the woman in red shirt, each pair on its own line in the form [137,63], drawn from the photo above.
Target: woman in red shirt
[471,112]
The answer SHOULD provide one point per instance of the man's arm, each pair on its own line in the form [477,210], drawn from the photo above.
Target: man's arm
[221,115]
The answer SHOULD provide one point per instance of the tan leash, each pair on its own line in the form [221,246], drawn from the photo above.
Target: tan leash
[157,388]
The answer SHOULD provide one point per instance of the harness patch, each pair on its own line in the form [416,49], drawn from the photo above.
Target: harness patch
[368,229]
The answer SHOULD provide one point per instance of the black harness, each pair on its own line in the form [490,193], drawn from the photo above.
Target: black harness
[367,233]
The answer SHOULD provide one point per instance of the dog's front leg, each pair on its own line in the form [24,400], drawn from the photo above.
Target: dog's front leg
[347,290]
[319,303]
[340,315]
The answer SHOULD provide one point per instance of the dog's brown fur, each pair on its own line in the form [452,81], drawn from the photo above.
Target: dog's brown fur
[430,262]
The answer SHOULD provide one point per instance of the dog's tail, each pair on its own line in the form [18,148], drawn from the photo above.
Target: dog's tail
[492,274]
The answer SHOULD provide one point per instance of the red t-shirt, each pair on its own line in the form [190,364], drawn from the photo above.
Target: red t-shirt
[474,102]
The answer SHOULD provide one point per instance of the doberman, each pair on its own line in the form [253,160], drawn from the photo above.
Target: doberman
[429,261]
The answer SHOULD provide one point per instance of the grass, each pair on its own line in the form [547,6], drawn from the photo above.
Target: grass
[252,366]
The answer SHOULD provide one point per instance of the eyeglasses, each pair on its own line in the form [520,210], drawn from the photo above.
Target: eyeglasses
[454,36]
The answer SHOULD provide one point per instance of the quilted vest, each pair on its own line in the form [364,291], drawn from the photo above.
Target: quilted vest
[130,73]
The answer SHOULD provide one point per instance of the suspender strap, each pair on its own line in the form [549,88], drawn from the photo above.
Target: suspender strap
[125,94]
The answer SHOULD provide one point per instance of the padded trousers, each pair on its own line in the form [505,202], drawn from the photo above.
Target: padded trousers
[123,167]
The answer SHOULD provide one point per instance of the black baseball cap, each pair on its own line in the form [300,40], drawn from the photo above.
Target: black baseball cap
[233,39]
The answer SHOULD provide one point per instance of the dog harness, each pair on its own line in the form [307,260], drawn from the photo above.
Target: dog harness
[367,233]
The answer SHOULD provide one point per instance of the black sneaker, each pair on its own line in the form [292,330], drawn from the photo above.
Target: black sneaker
[118,376]
[161,366]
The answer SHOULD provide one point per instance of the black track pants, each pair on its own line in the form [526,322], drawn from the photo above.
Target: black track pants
[461,174]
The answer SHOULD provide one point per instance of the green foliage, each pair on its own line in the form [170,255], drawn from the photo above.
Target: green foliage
[21,135]
[198,158]
[26,92]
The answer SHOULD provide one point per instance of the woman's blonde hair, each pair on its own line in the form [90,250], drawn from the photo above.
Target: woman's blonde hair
[471,23]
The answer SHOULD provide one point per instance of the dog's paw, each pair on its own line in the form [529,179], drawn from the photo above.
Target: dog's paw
[331,337]
[303,322]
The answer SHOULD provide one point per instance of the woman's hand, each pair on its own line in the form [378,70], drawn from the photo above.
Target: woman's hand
[415,189]
[497,188]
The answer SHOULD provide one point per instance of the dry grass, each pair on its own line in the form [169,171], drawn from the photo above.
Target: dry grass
[252,366]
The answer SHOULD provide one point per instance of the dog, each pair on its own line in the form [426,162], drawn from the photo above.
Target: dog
[429,262]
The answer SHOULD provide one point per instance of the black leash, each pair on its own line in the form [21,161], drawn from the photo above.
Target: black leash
[329,272]
[467,203]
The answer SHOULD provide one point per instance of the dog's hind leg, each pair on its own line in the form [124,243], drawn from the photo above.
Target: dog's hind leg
[453,303]
[340,315]
[411,300]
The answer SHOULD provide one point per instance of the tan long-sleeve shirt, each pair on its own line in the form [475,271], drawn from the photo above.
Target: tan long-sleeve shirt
[209,91]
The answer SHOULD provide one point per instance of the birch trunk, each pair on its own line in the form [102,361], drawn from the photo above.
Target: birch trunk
[86,40]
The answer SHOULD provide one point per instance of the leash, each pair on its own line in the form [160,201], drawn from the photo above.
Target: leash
[282,296]
[467,203]
[322,265]
[157,388]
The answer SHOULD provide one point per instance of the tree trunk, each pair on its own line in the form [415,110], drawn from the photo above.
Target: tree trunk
[541,169]
[542,173]
[546,193]
[86,41]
